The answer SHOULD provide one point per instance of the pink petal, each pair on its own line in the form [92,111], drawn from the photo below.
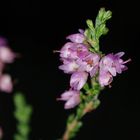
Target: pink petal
[6,84]
[6,55]
[67,95]
[81,31]
[76,38]
[78,79]
[69,67]
[119,54]
[73,101]
[105,78]
[94,71]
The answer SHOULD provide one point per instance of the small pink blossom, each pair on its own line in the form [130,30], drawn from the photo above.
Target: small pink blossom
[73,51]
[6,84]
[66,51]
[69,66]
[72,102]
[77,38]
[78,79]
[107,64]
[113,63]
[89,63]
[6,55]
[119,63]
[72,98]
[105,78]
[110,65]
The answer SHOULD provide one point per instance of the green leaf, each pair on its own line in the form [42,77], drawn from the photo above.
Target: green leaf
[78,126]
[96,103]
[80,110]
[101,19]
[70,118]
[92,50]
[90,24]
[87,33]
[107,15]
[75,130]
[19,100]
[23,129]
[101,13]
[22,114]
[18,137]
[86,86]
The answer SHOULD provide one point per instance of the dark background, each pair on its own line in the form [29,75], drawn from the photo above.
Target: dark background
[35,29]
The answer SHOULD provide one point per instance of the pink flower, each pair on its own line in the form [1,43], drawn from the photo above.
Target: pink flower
[72,98]
[119,63]
[78,79]
[107,64]
[6,55]
[6,84]
[66,51]
[110,65]
[72,102]
[105,78]
[69,54]
[73,51]
[77,38]
[113,63]
[69,66]
[89,63]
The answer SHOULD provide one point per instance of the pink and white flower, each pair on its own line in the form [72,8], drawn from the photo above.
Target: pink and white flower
[78,79]
[72,98]
[6,84]
[77,38]
[110,65]
[73,51]
[90,63]
[69,66]
[7,55]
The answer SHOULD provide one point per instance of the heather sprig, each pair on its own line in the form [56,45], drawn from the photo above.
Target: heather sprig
[22,114]
[83,59]
[95,31]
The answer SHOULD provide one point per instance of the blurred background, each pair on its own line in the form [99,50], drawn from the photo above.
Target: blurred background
[36,28]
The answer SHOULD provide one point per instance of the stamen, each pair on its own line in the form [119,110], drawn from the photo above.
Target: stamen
[56,51]
[127,61]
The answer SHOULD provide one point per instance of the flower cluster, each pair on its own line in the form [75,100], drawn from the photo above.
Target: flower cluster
[110,65]
[80,62]
[6,57]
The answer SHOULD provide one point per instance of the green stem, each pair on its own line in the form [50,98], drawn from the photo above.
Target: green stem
[88,104]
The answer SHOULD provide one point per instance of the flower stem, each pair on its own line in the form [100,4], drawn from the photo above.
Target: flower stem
[88,103]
